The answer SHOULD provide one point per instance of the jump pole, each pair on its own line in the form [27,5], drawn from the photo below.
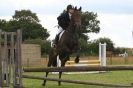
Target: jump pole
[102,54]
[79,68]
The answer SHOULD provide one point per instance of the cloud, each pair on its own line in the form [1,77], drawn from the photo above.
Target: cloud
[116,16]
[7,18]
[116,27]
[7,7]
[50,23]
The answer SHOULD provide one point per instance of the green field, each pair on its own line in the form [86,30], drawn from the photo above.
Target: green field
[114,77]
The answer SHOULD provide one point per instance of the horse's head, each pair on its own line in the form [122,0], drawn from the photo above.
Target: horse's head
[76,19]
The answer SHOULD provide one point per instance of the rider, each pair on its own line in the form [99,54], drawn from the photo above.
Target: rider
[63,21]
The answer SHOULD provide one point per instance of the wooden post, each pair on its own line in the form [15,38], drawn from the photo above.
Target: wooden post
[6,74]
[18,66]
[109,55]
[10,57]
[1,81]
[12,48]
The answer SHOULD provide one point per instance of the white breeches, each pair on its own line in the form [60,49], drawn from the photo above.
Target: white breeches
[60,30]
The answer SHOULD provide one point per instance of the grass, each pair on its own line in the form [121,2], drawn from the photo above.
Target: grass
[114,77]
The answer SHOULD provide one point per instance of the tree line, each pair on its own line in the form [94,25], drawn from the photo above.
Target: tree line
[33,31]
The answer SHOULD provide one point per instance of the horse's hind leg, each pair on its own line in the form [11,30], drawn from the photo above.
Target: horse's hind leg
[44,82]
[52,59]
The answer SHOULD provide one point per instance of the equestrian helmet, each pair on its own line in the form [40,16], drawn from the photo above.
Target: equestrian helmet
[69,7]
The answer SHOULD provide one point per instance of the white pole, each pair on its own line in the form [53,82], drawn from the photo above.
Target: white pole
[102,54]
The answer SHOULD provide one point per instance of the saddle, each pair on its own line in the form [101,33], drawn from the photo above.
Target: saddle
[57,38]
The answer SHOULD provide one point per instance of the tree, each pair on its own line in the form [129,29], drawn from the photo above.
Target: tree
[25,15]
[3,24]
[95,45]
[89,24]
[119,50]
[29,23]
[84,47]
[32,30]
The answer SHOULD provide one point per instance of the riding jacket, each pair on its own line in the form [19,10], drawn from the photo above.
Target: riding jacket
[63,20]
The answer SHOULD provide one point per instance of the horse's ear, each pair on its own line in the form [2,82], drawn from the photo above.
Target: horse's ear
[75,8]
[80,8]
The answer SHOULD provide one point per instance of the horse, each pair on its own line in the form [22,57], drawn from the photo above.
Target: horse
[67,44]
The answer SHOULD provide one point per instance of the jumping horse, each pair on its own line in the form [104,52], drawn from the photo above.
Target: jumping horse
[67,44]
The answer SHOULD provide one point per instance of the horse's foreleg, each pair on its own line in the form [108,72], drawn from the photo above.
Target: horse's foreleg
[60,73]
[59,82]
[77,56]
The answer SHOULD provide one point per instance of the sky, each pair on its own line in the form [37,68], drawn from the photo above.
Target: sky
[116,16]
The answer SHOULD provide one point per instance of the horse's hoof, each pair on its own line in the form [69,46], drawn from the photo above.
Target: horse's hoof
[43,84]
[76,60]
[59,84]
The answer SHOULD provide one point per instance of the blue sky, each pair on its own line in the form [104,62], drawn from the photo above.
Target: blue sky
[116,16]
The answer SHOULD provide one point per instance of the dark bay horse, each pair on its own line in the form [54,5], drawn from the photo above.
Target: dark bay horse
[67,44]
